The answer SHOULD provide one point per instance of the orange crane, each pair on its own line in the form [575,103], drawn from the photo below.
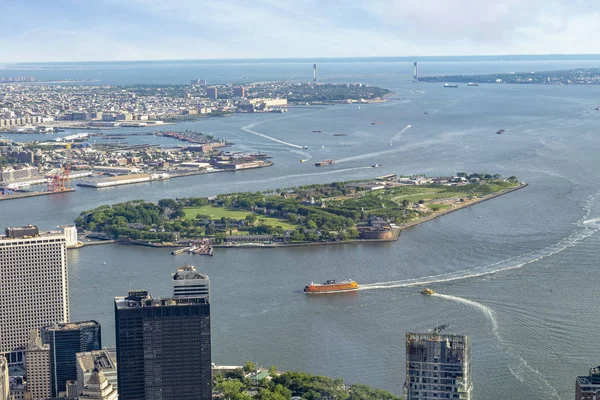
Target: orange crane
[60,181]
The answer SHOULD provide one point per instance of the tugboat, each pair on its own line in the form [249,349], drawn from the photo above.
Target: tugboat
[427,291]
[500,132]
[331,286]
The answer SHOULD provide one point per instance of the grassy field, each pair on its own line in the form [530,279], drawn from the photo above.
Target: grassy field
[218,212]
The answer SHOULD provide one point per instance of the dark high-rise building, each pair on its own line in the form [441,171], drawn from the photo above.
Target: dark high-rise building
[437,367]
[239,91]
[588,387]
[65,341]
[211,93]
[163,347]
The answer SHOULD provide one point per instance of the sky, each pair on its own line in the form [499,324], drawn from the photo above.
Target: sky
[111,30]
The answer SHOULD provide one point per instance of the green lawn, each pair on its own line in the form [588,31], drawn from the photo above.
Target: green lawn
[218,212]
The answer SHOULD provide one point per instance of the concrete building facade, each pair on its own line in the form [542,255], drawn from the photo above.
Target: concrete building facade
[98,387]
[105,360]
[37,365]
[4,382]
[438,367]
[33,286]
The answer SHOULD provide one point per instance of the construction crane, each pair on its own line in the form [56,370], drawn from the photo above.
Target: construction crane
[59,181]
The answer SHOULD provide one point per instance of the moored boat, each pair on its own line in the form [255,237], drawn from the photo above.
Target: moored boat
[331,286]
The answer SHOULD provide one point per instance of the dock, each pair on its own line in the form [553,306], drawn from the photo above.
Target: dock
[22,195]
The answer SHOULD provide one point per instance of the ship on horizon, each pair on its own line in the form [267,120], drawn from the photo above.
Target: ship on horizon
[450,85]
[331,286]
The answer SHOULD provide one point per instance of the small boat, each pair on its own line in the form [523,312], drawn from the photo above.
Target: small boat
[450,85]
[305,147]
[324,163]
[303,160]
[331,286]
[317,131]
[376,166]
[427,291]
[500,132]
[425,113]
[322,146]
[376,123]
[472,84]
[340,134]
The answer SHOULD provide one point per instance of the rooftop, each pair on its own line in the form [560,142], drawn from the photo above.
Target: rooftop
[67,326]
[188,272]
[102,359]
[141,298]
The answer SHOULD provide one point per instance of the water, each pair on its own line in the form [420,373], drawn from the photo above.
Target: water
[517,273]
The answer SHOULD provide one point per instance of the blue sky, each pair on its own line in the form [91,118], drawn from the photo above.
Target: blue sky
[105,30]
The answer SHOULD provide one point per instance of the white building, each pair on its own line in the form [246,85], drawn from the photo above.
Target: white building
[4,384]
[98,387]
[189,283]
[70,234]
[37,365]
[33,272]
[105,360]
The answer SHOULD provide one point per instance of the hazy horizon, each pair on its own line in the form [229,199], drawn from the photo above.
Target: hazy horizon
[128,30]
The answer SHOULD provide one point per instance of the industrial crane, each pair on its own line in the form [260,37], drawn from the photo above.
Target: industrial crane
[59,181]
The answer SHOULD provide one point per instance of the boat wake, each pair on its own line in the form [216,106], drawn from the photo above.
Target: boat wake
[248,128]
[399,134]
[522,366]
[571,240]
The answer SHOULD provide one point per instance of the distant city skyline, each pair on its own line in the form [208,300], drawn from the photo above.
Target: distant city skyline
[112,30]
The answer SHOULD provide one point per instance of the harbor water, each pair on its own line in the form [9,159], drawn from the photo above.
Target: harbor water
[518,274]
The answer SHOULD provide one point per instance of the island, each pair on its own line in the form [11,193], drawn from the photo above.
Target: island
[579,76]
[375,210]
[250,382]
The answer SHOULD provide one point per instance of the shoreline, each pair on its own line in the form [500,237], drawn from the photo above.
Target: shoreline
[397,230]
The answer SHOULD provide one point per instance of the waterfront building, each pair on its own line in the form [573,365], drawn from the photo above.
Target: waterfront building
[97,387]
[34,291]
[588,387]
[189,283]
[104,360]
[438,366]
[66,340]
[211,93]
[239,91]
[163,347]
[37,365]
[4,383]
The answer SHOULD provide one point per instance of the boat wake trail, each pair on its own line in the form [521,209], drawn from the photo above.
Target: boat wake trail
[248,128]
[522,366]
[510,263]
[399,134]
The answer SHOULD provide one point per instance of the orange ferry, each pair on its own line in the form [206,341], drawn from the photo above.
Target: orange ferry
[331,286]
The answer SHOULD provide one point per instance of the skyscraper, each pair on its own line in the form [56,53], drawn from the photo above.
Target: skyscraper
[37,365]
[315,74]
[588,387]
[438,366]
[163,347]
[239,91]
[189,283]
[66,340]
[34,292]
[105,360]
[211,93]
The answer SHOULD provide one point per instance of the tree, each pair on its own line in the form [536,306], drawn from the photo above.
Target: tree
[405,203]
[512,179]
[249,366]
[251,219]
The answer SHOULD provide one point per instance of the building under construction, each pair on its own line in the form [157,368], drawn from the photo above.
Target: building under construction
[438,366]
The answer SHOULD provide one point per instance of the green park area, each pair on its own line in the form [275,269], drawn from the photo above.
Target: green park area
[216,213]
